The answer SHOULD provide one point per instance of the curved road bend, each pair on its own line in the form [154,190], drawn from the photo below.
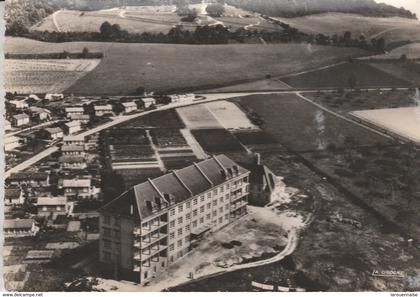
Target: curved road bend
[210,97]
[292,243]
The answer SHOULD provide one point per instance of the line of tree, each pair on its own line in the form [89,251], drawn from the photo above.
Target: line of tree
[296,8]
[217,34]
[85,54]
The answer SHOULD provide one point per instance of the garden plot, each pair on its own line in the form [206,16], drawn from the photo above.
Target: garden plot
[217,141]
[198,117]
[404,121]
[230,116]
[45,75]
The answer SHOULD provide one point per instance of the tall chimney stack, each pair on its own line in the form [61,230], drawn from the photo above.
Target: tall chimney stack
[257,157]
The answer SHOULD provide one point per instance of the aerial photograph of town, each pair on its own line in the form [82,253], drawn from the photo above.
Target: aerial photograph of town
[211,146]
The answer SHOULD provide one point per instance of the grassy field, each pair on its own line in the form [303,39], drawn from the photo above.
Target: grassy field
[152,19]
[385,177]
[338,77]
[130,20]
[344,102]
[409,71]
[217,140]
[163,67]
[254,138]
[301,126]
[412,51]
[392,29]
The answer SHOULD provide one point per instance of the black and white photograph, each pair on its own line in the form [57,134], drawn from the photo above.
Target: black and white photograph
[210,146]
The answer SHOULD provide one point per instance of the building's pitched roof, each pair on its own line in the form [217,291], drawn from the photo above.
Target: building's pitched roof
[18,224]
[76,183]
[45,201]
[11,139]
[74,109]
[129,104]
[72,124]
[18,102]
[148,100]
[194,178]
[12,193]
[72,148]
[54,130]
[103,107]
[38,110]
[176,186]
[20,116]
[71,159]
[260,175]
[74,138]
[41,176]
[80,116]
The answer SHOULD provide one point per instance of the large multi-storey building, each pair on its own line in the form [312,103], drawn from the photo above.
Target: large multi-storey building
[155,223]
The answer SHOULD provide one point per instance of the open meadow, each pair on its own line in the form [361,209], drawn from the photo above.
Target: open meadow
[302,126]
[339,76]
[408,70]
[344,102]
[163,67]
[392,29]
[412,51]
[132,20]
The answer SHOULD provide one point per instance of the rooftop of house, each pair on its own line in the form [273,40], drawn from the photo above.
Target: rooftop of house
[76,183]
[12,193]
[18,224]
[72,148]
[11,139]
[129,104]
[71,159]
[38,110]
[72,124]
[148,99]
[18,102]
[103,107]
[80,117]
[46,201]
[74,138]
[174,187]
[40,176]
[20,116]
[54,130]
[261,175]
[74,109]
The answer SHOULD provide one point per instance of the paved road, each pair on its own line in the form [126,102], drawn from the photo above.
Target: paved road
[31,161]
[54,19]
[209,97]
[46,124]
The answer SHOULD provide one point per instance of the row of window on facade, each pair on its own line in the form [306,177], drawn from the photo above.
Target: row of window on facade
[108,232]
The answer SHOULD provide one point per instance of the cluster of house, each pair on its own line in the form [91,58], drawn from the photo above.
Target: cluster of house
[31,114]
[26,111]
[35,187]
[48,206]
[68,128]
